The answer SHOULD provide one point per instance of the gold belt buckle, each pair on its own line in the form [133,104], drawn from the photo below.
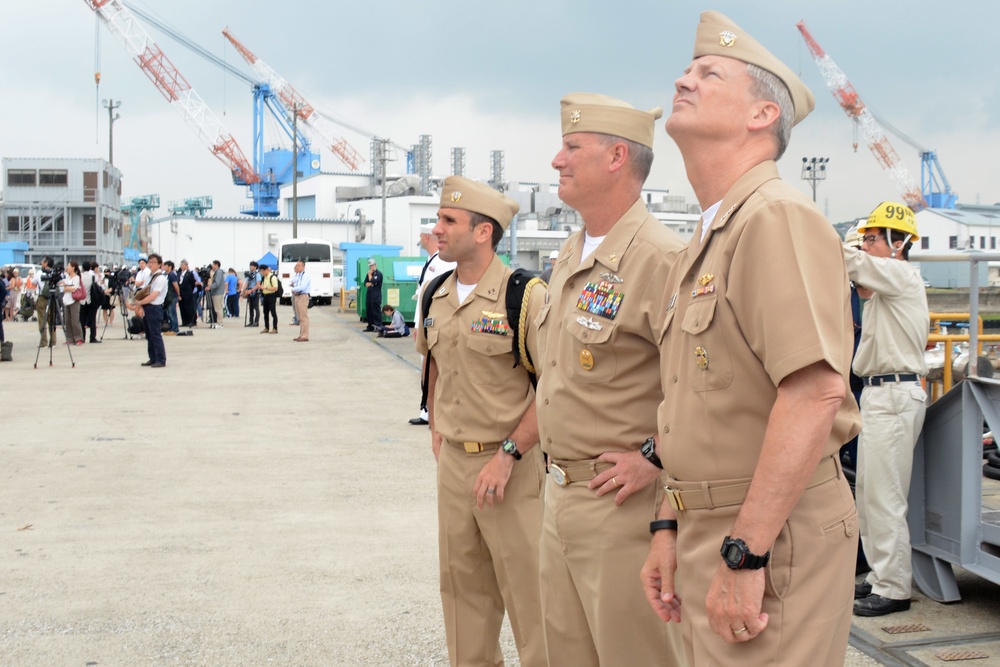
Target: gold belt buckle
[558,475]
[674,497]
[473,447]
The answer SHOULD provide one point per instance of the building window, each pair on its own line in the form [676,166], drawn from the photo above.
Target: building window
[89,229]
[53,177]
[982,243]
[90,186]
[953,243]
[993,243]
[925,242]
[21,177]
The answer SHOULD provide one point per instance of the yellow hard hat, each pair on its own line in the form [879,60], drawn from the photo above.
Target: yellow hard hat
[892,215]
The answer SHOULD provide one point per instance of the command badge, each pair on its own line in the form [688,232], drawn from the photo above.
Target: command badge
[701,358]
[586,360]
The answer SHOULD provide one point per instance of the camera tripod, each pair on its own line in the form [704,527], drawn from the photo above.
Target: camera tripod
[52,309]
[117,301]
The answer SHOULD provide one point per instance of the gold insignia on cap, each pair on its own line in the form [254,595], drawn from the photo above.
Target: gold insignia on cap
[456,196]
[586,360]
[706,279]
[727,38]
[574,116]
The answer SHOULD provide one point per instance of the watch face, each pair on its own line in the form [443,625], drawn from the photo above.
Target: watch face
[733,554]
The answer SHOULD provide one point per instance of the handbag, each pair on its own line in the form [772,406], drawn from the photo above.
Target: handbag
[80,294]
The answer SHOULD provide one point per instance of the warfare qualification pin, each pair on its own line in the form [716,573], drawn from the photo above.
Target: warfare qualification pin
[701,358]
[456,196]
[727,38]
[706,279]
[574,116]
[586,360]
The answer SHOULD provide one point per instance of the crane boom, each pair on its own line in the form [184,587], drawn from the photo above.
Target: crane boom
[169,81]
[863,119]
[296,104]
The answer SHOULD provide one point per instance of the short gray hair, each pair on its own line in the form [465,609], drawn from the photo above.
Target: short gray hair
[767,86]
[640,157]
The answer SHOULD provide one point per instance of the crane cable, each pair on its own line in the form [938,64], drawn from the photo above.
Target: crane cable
[97,78]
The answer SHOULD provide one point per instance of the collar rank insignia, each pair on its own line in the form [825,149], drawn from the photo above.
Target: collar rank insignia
[612,257]
[673,300]
[727,38]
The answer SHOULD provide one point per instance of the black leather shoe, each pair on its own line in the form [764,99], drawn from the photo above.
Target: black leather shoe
[418,421]
[158,364]
[148,363]
[862,590]
[94,340]
[876,605]
[368,329]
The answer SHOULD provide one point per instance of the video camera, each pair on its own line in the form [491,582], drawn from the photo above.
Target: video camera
[117,279]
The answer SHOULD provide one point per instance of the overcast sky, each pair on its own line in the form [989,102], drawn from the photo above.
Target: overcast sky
[489,75]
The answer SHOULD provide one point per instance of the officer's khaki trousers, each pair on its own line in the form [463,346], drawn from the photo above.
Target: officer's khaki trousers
[489,559]
[595,611]
[809,583]
[892,416]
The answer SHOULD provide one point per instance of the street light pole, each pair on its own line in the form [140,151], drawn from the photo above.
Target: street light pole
[111,105]
[814,170]
[295,170]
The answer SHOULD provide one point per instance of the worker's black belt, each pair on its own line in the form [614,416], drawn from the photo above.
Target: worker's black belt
[879,380]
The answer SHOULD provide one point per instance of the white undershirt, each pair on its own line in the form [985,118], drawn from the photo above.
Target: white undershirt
[708,217]
[590,244]
[463,291]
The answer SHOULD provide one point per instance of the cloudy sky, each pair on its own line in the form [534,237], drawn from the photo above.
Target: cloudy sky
[489,76]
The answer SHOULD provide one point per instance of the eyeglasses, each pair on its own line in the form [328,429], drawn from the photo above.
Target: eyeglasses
[870,239]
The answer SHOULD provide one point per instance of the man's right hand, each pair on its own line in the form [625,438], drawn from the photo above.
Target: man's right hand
[657,576]
[436,444]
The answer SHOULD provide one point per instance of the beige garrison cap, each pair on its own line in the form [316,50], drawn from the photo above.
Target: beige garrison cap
[718,35]
[591,112]
[467,195]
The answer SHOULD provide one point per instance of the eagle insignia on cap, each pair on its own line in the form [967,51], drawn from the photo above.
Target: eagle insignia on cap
[574,116]
[727,38]
[456,197]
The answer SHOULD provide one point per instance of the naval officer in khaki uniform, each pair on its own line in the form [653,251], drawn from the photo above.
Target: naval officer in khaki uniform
[755,357]
[484,432]
[598,394]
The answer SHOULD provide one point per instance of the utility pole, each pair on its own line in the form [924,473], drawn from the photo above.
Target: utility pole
[295,170]
[814,170]
[111,105]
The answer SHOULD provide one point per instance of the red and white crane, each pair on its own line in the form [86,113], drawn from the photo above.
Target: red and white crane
[169,81]
[864,121]
[296,104]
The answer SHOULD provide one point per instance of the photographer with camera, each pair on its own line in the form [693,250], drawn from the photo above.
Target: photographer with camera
[47,278]
[149,306]
[71,304]
[251,292]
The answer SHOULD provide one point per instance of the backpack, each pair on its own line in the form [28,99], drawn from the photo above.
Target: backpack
[96,293]
[519,286]
[281,288]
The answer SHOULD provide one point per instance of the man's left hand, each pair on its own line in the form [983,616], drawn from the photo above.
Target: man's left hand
[734,603]
[493,476]
[631,473]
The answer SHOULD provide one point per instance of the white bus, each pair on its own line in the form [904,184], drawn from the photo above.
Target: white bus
[318,255]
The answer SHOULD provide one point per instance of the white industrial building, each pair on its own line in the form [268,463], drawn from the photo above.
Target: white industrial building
[965,228]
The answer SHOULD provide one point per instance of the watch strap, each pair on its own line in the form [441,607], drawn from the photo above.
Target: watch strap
[662,524]
[648,450]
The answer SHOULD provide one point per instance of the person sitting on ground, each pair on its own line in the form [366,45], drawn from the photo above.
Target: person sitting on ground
[397,328]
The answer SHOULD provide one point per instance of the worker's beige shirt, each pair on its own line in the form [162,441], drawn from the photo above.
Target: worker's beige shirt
[601,385]
[479,395]
[895,321]
[766,294]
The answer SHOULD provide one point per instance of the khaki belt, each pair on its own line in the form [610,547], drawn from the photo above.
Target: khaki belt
[565,473]
[476,447]
[708,495]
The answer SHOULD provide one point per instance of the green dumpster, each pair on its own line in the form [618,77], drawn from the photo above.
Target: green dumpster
[399,284]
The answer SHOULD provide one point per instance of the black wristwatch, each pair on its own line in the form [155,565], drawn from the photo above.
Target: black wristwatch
[648,450]
[738,557]
[510,447]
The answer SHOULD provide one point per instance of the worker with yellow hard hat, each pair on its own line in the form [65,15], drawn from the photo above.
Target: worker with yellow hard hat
[890,362]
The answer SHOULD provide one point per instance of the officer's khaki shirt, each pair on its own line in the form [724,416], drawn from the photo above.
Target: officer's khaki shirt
[764,295]
[479,395]
[601,385]
[895,320]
